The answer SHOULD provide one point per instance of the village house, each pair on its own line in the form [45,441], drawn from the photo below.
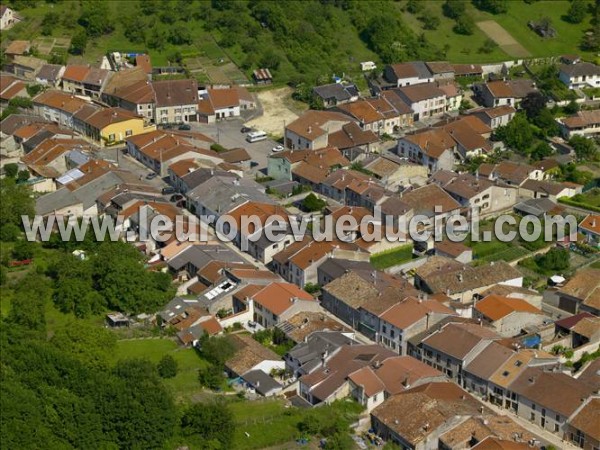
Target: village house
[17,48]
[217,104]
[353,141]
[432,201]
[548,398]
[312,352]
[359,298]
[50,75]
[11,87]
[392,170]
[418,417]
[581,430]
[302,324]
[579,75]
[298,262]
[281,166]
[548,189]
[462,282]
[159,149]
[131,90]
[372,385]
[334,186]
[494,117]
[472,191]
[581,292]
[454,250]
[504,92]
[330,381]
[7,17]
[250,355]
[311,130]
[508,316]
[590,228]
[425,100]
[335,94]
[277,302]
[110,126]
[408,74]
[433,148]
[511,173]
[176,101]
[471,136]
[584,123]
[57,106]
[407,318]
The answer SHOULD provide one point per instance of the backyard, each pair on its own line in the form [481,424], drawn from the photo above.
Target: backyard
[392,257]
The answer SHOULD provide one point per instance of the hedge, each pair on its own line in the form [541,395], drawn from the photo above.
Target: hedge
[568,201]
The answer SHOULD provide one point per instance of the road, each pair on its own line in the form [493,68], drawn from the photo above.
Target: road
[228,134]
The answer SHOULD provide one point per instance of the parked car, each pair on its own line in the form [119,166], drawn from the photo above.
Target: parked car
[176,197]
[185,127]
[278,148]
[168,190]
[151,176]
[246,129]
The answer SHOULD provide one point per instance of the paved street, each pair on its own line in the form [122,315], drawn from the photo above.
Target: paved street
[228,134]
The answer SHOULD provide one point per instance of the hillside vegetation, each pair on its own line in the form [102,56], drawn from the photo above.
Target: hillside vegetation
[300,41]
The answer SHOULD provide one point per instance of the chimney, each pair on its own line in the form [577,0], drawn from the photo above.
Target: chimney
[309,130]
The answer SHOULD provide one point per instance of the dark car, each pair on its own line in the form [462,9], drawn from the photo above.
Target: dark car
[185,127]
[246,129]
[151,176]
[176,198]
[168,190]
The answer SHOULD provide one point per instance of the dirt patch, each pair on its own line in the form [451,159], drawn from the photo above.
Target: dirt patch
[503,38]
[276,111]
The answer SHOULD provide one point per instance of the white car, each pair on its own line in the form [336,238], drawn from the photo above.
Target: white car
[278,148]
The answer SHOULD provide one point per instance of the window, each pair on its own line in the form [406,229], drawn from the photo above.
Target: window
[532,417]
[111,137]
[128,132]
[177,110]
[556,428]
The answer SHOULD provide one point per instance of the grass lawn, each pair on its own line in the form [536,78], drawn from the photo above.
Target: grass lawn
[595,265]
[392,257]
[185,384]
[464,49]
[270,423]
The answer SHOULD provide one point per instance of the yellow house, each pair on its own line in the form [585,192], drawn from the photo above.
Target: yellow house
[111,126]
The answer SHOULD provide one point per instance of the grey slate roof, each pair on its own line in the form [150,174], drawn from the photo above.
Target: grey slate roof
[49,72]
[335,268]
[338,91]
[200,255]
[535,206]
[580,69]
[202,175]
[309,353]
[261,382]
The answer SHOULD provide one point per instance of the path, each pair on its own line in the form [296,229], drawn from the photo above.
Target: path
[500,36]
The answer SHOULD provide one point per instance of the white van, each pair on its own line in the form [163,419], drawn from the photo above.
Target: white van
[255,136]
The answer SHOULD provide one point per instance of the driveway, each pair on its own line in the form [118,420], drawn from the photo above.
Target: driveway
[228,134]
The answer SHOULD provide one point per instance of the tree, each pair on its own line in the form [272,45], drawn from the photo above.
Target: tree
[572,107]
[414,6]
[69,293]
[464,25]
[11,169]
[488,46]
[167,367]
[517,134]
[313,203]
[15,201]
[584,148]
[213,422]
[21,102]
[339,441]
[491,6]
[533,104]
[23,176]
[210,377]
[577,11]
[216,349]
[554,259]
[95,18]
[78,43]
[454,8]
[541,150]
[430,21]
[23,249]
[9,232]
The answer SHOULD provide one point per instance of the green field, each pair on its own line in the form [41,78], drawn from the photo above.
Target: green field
[463,49]
[392,257]
[184,385]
